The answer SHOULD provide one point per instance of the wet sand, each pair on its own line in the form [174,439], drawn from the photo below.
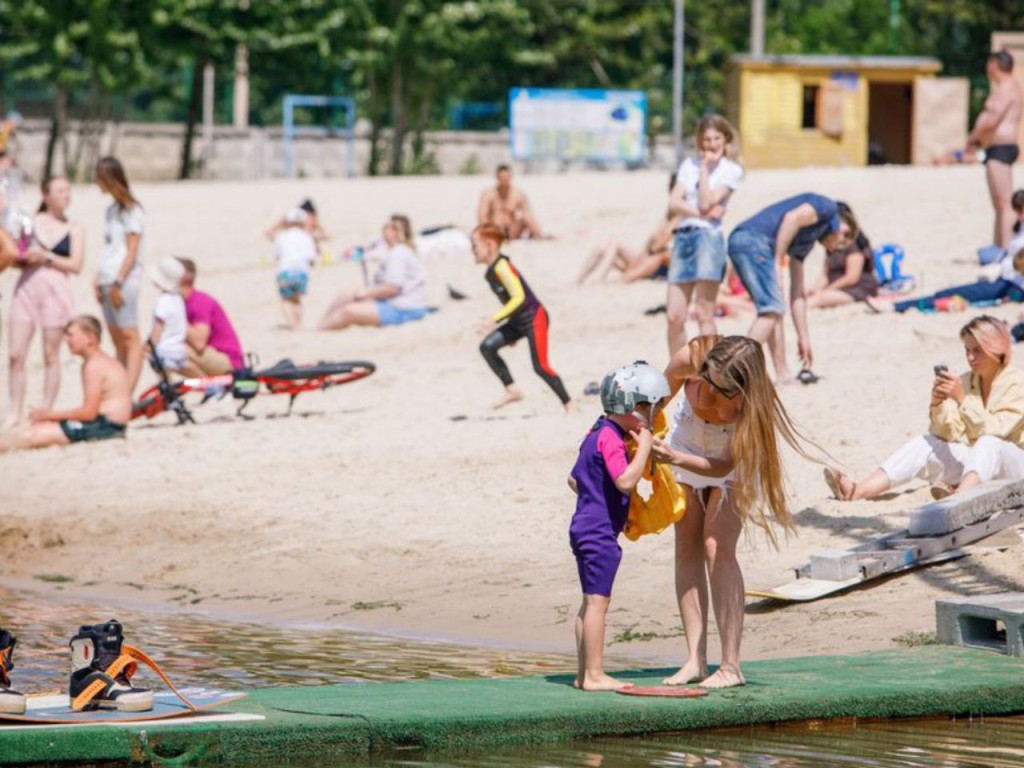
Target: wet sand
[403,503]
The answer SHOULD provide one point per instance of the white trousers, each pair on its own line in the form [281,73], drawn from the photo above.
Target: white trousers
[934,460]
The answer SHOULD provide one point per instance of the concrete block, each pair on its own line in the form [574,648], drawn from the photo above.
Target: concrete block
[835,565]
[988,622]
[961,510]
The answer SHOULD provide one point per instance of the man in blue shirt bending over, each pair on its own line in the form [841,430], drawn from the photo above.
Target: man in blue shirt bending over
[758,250]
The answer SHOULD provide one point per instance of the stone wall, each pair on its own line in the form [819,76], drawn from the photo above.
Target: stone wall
[152,151]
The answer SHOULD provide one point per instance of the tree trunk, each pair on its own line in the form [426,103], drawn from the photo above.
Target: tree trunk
[191,118]
[399,119]
[58,126]
[376,123]
[422,116]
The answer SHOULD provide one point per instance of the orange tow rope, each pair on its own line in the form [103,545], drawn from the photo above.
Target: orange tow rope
[126,663]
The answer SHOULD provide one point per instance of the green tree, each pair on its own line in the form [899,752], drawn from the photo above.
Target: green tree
[91,48]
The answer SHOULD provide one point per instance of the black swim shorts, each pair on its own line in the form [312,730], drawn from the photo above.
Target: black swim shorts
[99,428]
[1003,153]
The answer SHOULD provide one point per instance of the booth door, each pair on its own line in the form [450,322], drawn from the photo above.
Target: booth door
[940,117]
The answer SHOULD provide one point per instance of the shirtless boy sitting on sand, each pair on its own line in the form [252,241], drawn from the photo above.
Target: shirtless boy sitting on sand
[106,403]
[508,209]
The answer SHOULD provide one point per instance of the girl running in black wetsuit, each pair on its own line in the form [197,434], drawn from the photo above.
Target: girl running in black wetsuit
[522,315]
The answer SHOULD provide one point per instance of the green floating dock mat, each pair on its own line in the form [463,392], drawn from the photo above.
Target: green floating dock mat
[353,721]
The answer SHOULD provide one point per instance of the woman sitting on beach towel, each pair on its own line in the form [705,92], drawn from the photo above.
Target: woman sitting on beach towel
[976,430]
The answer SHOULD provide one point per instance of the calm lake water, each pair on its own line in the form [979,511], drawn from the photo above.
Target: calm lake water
[200,650]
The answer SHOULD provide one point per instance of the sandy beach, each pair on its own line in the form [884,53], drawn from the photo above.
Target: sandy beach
[403,503]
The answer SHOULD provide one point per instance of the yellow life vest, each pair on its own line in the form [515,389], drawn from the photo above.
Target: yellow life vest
[666,503]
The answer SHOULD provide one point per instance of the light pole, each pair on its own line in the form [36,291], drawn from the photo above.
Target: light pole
[677,82]
[757,28]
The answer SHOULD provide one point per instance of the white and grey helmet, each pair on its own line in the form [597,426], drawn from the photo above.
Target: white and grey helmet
[624,388]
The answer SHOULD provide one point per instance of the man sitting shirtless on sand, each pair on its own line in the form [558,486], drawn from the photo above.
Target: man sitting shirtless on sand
[508,209]
[106,403]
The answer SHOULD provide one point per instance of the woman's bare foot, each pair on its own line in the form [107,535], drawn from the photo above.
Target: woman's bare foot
[841,486]
[600,682]
[690,672]
[879,306]
[512,395]
[724,677]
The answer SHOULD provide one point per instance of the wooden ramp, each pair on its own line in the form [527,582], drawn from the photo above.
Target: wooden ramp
[936,533]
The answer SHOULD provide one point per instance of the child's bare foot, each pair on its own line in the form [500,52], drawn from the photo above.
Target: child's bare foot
[570,407]
[724,677]
[600,682]
[690,672]
[512,395]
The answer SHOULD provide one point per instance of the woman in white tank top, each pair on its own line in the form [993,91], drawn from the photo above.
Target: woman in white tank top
[724,450]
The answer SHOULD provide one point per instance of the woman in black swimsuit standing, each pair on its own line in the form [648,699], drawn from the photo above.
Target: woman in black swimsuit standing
[42,296]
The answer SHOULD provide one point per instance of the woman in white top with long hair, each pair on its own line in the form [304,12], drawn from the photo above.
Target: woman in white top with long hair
[120,271]
[704,184]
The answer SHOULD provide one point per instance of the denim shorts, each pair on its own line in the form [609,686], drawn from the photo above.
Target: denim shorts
[698,253]
[753,256]
[391,315]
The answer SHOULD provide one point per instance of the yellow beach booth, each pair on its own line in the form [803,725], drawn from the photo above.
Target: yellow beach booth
[794,111]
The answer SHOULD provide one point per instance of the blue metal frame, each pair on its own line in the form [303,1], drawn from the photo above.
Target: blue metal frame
[461,110]
[293,100]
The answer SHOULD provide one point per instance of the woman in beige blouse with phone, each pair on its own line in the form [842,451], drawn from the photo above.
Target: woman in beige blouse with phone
[976,428]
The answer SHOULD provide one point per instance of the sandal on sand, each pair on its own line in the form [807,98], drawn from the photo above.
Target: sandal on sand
[941,491]
[833,478]
[807,376]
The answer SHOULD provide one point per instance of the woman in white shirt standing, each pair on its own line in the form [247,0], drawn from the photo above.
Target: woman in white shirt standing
[704,184]
[120,274]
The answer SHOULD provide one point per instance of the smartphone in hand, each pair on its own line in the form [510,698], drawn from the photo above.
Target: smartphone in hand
[940,369]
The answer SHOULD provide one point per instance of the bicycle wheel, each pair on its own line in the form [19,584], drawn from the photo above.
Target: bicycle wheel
[286,377]
[149,404]
[286,370]
[156,400]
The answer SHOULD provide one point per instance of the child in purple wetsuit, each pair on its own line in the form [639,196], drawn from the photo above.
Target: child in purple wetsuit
[603,479]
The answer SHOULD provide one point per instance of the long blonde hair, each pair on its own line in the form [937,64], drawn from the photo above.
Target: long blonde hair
[759,491]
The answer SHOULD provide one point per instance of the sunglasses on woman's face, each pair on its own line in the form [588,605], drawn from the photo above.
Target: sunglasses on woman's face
[705,374]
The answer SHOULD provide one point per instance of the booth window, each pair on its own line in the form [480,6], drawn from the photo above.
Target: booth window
[809,118]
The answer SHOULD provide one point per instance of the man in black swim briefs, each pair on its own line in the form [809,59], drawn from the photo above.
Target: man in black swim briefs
[996,131]
[106,396]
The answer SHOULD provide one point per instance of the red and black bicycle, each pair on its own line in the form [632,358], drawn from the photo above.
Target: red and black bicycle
[282,378]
